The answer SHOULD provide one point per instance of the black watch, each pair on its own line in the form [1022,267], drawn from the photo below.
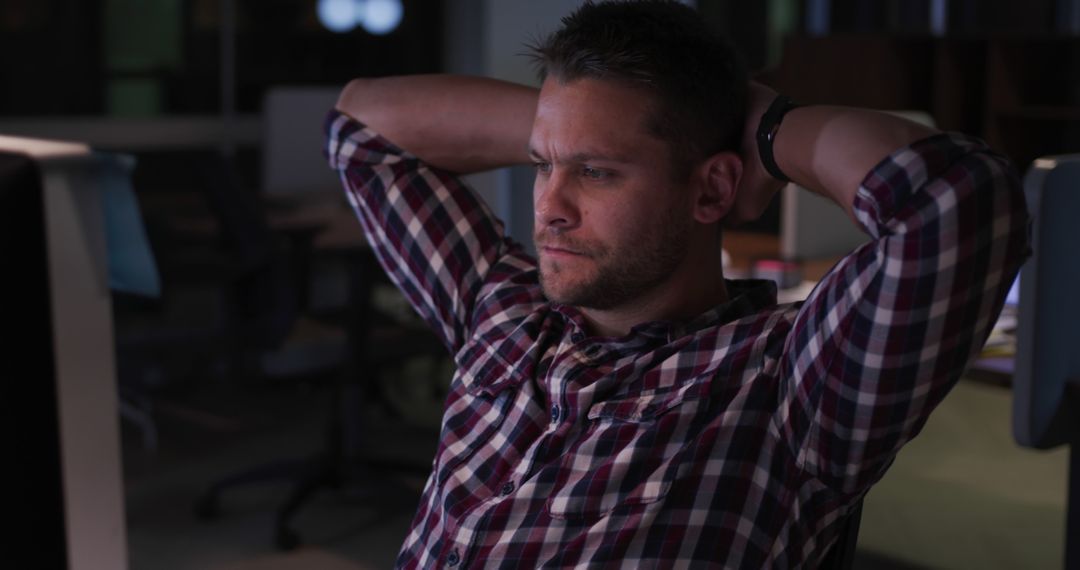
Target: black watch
[766,134]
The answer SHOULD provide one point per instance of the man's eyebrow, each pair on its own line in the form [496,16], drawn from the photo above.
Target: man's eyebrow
[594,156]
[586,156]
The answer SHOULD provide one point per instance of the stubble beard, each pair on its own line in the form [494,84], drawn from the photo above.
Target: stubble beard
[622,274]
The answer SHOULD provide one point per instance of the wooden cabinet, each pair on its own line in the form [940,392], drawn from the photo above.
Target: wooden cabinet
[1033,97]
[1021,94]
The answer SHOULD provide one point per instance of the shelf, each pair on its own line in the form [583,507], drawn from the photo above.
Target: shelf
[1040,112]
[1019,93]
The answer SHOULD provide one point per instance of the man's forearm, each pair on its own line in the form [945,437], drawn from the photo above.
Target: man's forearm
[461,124]
[830,150]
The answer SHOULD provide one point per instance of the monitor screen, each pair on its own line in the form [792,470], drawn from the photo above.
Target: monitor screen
[1013,298]
[28,397]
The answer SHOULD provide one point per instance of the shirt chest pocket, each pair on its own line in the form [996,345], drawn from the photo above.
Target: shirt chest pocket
[484,388]
[630,454]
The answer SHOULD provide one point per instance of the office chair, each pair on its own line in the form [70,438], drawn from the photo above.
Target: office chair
[842,554]
[228,291]
[293,169]
[376,343]
[1046,379]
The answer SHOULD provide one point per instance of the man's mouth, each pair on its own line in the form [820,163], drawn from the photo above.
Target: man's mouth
[560,250]
[557,246]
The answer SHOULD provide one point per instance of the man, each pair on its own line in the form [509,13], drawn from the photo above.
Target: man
[618,402]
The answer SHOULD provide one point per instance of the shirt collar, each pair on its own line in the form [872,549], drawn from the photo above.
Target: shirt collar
[746,297]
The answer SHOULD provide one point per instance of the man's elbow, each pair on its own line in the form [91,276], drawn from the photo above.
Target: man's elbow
[355,98]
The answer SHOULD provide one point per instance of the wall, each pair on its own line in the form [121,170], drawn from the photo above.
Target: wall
[487,37]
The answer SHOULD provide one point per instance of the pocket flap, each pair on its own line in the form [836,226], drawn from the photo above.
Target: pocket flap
[483,371]
[641,407]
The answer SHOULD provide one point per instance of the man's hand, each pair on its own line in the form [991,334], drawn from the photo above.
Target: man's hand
[756,187]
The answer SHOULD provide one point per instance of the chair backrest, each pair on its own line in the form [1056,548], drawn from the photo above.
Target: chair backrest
[842,554]
[263,296]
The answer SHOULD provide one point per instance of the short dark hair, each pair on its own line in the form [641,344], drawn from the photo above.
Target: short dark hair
[698,79]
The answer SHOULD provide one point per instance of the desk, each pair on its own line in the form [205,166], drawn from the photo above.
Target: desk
[745,248]
[993,367]
[331,221]
[338,228]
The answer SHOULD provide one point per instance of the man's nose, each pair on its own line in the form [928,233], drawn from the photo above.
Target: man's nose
[555,202]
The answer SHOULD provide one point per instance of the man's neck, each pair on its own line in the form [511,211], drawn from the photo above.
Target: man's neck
[694,288]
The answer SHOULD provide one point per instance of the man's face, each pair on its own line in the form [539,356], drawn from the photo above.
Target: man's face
[612,222]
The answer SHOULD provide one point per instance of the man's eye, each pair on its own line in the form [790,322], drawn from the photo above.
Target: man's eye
[594,173]
[542,167]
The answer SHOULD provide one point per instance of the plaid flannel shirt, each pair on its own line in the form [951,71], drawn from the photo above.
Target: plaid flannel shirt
[737,440]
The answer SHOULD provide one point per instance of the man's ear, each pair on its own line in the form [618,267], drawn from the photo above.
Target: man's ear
[717,179]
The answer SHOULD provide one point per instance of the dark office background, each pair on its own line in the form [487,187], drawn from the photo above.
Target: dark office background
[1002,69]
[139,58]
[131,57]
[1007,70]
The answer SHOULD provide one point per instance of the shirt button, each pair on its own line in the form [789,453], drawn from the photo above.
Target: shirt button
[577,337]
[507,488]
[453,559]
[555,411]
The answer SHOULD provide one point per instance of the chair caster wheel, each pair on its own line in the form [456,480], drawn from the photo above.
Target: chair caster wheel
[286,539]
[208,507]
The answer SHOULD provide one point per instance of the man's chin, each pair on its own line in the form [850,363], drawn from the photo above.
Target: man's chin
[557,290]
[555,293]
[583,295]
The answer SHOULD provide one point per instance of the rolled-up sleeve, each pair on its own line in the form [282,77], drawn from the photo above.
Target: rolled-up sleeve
[434,237]
[891,328]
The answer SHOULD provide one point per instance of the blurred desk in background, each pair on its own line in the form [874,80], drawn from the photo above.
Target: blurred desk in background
[993,366]
[748,250]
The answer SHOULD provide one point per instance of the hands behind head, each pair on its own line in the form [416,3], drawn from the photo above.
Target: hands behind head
[756,187]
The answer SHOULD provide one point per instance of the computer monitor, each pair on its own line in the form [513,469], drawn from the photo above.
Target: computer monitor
[58,397]
[1046,380]
[1013,298]
[292,137]
[26,295]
